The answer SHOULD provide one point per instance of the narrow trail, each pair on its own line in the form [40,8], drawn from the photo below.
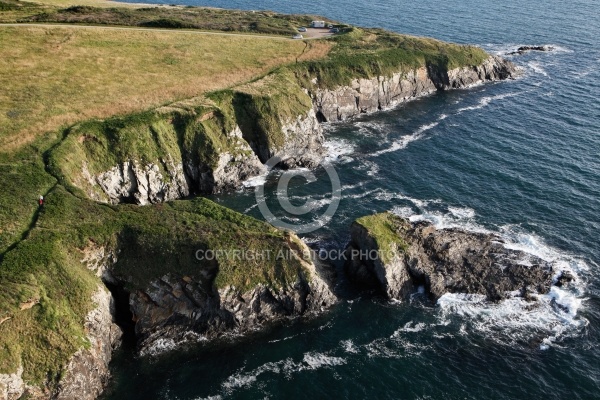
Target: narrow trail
[31,226]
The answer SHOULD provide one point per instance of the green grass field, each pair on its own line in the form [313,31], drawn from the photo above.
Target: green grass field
[54,77]
[112,83]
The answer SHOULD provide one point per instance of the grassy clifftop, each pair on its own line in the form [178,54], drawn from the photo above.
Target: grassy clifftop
[46,287]
[384,228]
[367,53]
[105,96]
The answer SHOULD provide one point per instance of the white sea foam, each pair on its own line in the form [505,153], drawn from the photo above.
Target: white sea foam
[317,360]
[456,217]
[164,345]
[349,346]
[410,326]
[515,320]
[370,128]
[371,167]
[338,149]
[405,140]
[252,207]
[462,212]
[537,68]
[388,196]
[255,180]
[485,101]
[287,367]
[361,195]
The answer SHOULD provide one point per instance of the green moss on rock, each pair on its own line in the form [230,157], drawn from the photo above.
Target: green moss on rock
[386,229]
[47,289]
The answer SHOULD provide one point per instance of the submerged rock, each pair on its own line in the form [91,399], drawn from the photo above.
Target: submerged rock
[400,255]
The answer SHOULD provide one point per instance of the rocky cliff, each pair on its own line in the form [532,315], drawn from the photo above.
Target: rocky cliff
[86,373]
[374,94]
[174,310]
[200,146]
[209,145]
[12,386]
[395,256]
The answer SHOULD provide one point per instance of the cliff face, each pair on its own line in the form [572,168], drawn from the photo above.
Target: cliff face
[370,95]
[443,261]
[212,145]
[87,372]
[175,309]
[201,146]
[12,386]
[170,154]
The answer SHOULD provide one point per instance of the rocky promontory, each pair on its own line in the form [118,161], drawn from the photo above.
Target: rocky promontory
[213,143]
[366,95]
[57,328]
[396,256]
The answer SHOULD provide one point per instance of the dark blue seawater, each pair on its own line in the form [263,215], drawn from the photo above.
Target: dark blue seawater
[519,158]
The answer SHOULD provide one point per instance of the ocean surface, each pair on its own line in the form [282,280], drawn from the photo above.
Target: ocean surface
[518,158]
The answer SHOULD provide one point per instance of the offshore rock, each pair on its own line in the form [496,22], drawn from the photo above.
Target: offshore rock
[525,49]
[443,261]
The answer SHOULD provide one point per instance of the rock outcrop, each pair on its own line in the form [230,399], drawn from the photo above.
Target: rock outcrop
[87,374]
[303,143]
[174,310]
[143,184]
[12,386]
[211,145]
[525,49]
[164,179]
[398,256]
[370,95]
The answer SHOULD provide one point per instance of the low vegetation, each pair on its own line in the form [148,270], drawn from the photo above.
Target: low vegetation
[367,53]
[385,229]
[106,95]
[212,19]
[54,77]
[46,290]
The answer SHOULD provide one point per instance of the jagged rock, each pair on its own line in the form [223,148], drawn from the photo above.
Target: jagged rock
[173,310]
[189,168]
[229,171]
[444,261]
[142,184]
[525,49]
[370,95]
[12,386]
[87,373]
[303,143]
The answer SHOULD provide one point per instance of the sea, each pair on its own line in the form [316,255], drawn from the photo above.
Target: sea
[518,158]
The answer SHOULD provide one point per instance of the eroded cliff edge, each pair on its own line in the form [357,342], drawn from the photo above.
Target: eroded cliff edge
[190,269]
[202,145]
[214,142]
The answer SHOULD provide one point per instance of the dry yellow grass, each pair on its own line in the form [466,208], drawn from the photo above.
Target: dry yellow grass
[94,3]
[52,77]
